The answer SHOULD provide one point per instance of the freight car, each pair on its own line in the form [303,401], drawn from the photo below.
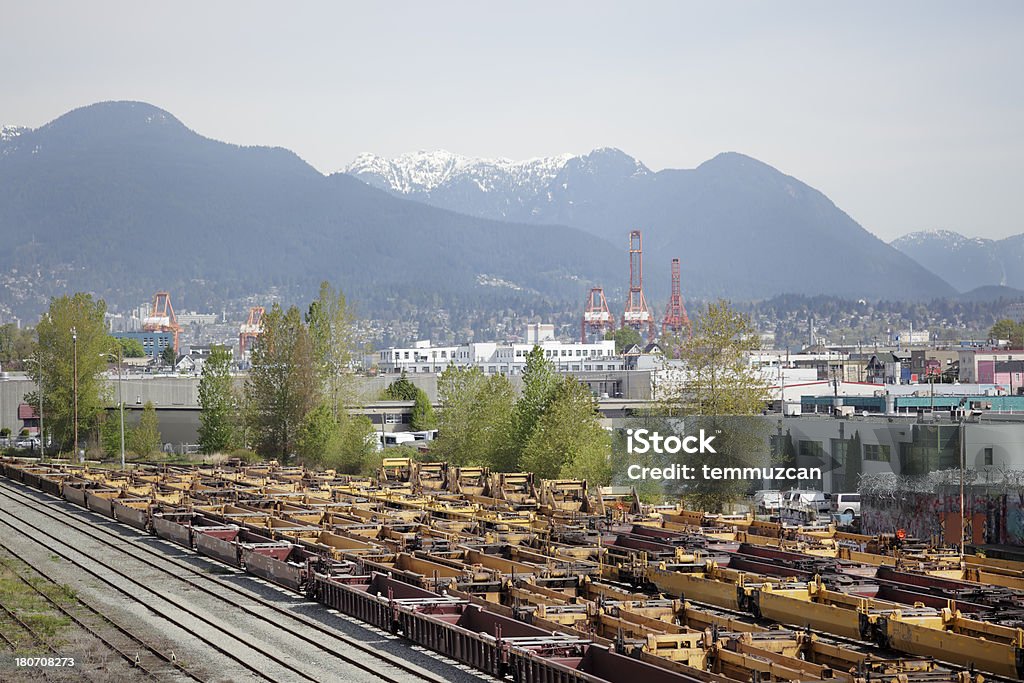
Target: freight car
[431,568]
[468,633]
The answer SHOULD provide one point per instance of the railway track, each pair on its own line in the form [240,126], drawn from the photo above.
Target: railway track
[16,623]
[145,658]
[326,641]
[433,570]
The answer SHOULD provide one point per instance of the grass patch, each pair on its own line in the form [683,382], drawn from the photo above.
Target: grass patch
[32,608]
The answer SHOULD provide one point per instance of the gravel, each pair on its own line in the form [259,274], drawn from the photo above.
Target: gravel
[157,629]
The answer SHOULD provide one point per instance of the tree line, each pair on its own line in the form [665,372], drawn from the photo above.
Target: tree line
[296,402]
[551,429]
[68,350]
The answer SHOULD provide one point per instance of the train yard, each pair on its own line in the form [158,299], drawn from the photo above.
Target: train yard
[511,577]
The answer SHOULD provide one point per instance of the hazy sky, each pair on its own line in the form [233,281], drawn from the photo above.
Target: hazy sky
[908,115]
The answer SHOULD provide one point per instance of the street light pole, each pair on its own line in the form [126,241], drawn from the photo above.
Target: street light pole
[42,434]
[120,393]
[120,397]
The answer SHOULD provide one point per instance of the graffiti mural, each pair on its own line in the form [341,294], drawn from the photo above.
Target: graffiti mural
[993,516]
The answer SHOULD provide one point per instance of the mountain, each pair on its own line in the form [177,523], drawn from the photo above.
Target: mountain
[742,228]
[478,187]
[992,293]
[8,133]
[122,199]
[967,262]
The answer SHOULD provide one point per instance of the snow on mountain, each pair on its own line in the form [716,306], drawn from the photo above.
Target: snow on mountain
[424,172]
[949,238]
[8,133]
[967,263]
[11,132]
[491,188]
[9,136]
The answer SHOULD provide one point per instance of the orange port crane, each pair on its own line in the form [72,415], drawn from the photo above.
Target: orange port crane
[250,329]
[161,317]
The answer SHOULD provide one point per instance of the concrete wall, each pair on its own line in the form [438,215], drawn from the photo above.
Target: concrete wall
[12,394]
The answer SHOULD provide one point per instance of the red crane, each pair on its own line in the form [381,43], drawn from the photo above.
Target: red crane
[597,318]
[637,314]
[250,329]
[675,319]
[161,317]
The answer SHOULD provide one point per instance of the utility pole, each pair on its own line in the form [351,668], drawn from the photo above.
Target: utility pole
[931,381]
[1009,366]
[963,468]
[74,342]
[42,434]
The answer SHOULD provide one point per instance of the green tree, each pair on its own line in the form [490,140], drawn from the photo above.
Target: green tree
[718,391]
[539,384]
[475,419]
[16,345]
[1008,329]
[319,437]
[332,336]
[131,348]
[283,385]
[718,377]
[569,441]
[110,435]
[144,439]
[217,402]
[168,356]
[358,446]
[422,413]
[56,352]
[401,389]
[345,446]
[624,338]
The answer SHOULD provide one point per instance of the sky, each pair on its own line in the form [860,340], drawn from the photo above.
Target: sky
[907,115]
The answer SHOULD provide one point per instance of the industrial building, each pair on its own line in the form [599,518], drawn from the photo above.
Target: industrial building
[990,366]
[153,343]
[499,358]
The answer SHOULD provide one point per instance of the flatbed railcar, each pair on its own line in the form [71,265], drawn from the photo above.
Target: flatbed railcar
[468,633]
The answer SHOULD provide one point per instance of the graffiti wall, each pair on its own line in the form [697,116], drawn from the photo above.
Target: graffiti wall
[993,517]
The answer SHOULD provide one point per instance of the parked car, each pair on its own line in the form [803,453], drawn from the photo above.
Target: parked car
[30,442]
[846,503]
[806,500]
[769,500]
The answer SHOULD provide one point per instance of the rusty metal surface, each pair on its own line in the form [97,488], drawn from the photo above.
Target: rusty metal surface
[526,578]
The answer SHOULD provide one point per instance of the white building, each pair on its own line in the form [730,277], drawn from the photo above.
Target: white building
[499,358]
[539,332]
[198,319]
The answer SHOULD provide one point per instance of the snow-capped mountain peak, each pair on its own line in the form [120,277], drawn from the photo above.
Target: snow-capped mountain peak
[949,238]
[493,188]
[425,171]
[8,133]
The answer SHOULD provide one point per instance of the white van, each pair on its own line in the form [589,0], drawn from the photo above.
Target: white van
[767,501]
[846,503]
[806,500]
